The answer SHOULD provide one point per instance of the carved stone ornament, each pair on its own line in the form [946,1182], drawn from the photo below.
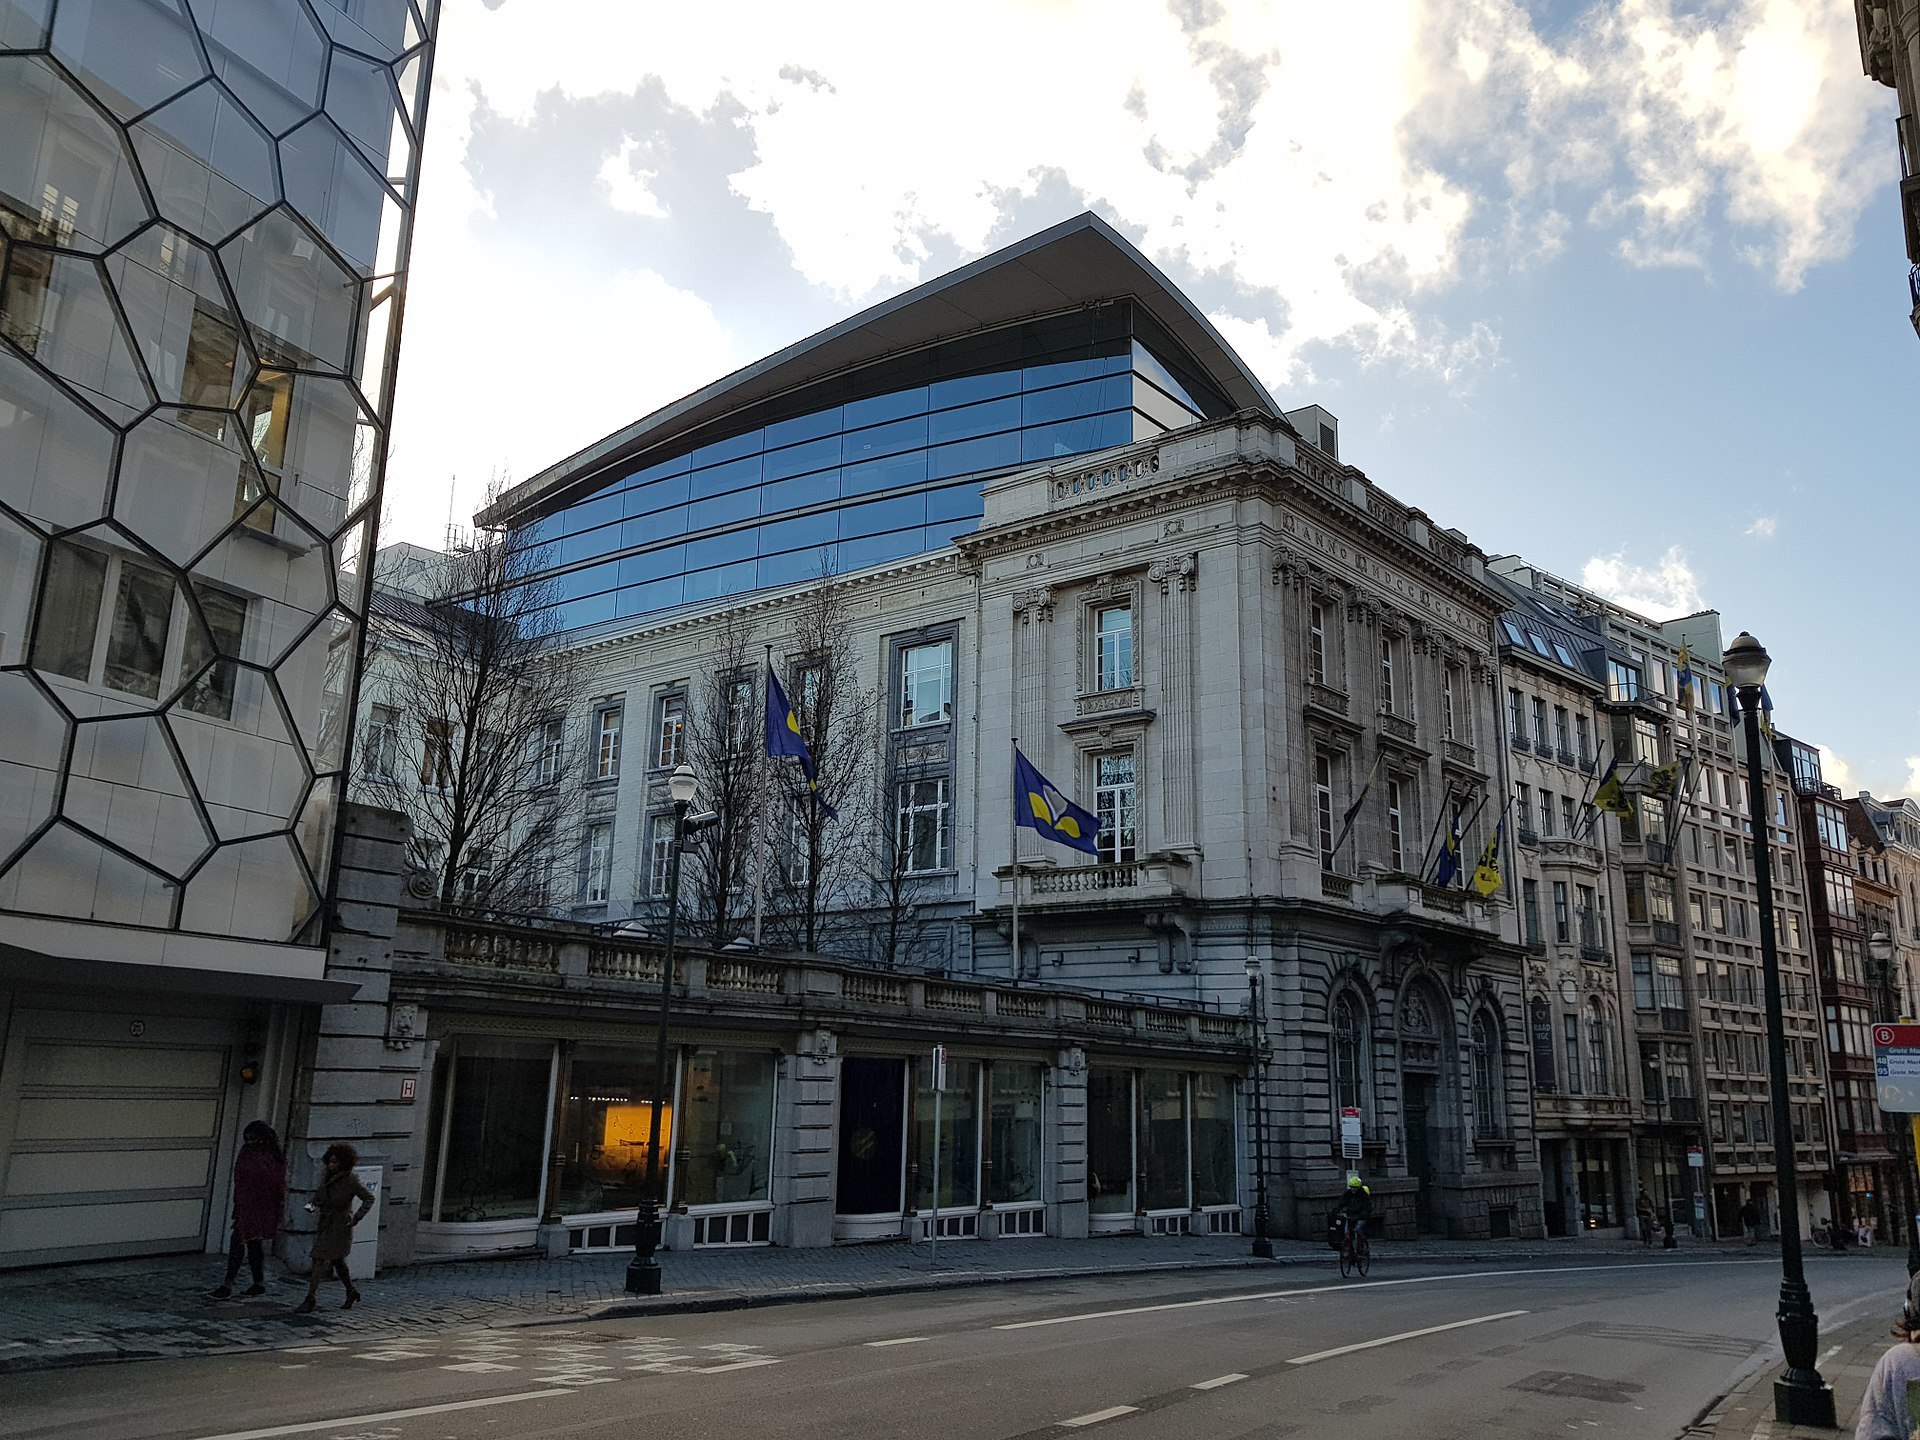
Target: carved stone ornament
[1033,604]
[1107,588]
[1176,572]
[1416,1016]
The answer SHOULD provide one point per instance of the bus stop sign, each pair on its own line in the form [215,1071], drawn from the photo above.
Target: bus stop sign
[1896,1067]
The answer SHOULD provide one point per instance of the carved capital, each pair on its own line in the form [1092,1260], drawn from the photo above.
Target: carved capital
[1033,605]
[1176,572]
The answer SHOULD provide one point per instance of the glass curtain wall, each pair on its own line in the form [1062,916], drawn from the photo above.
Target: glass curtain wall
[486,1152]
[205,222]
[861,480]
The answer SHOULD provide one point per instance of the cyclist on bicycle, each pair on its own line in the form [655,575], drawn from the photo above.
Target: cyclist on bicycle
[1355,1209]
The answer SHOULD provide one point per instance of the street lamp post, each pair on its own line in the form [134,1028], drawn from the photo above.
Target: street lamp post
[1800,1397]
[1262,1244]
[1880,948]
[643,1271]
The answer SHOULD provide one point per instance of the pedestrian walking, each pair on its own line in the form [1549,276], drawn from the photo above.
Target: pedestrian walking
[1643,1212]
[1884,1411]
[1750,1219]
[259,1198]
[333,1201]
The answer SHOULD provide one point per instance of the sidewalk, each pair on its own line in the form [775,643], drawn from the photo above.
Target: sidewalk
[131,1310]
[1847,1357]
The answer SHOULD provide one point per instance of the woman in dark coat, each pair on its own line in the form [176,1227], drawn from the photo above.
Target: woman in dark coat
[259,1197]
[333,1200]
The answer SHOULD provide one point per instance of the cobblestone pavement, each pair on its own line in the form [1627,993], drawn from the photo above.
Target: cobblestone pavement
[1847,1357]
[129,1310]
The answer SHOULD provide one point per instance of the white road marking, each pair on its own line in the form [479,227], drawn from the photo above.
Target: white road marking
[754,1363]
[308,1426]
[1216,1382]
[1403,1335]
[903,1340]
[1357,1285]
[479,1367]
[1112,1413]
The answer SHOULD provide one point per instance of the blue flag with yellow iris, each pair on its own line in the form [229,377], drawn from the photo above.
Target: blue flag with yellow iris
[784,738]
[1038,805]
[1448,868]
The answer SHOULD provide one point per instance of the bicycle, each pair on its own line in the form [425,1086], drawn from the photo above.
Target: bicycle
[1355,1251]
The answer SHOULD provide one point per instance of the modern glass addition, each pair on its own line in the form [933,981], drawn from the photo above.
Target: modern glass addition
[847,478]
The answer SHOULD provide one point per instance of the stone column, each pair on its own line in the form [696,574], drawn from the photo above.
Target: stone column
[1179,821]
[1067,1213]
[1032,632]
[807,1136]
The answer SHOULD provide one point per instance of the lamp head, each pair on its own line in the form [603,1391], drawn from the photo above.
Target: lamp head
[1880,947]
[1746,663]
[683,784]
[1253,966]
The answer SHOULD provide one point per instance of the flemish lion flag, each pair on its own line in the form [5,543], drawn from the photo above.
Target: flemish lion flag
[1610,795]
[1040,806]
[1486,875]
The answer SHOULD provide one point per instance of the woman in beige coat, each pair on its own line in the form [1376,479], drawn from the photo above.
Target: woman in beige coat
[333,1201]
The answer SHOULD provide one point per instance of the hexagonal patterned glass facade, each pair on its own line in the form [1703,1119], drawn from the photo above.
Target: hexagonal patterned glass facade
[205,213]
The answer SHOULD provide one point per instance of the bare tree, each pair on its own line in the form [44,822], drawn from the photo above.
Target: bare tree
[902,908]
[825,831]
[469,723]
[723,745]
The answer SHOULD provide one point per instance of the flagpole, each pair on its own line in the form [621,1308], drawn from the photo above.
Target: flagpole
[1589,813]
[1426,858]
[1013,850]
[766,808]
[1484,797]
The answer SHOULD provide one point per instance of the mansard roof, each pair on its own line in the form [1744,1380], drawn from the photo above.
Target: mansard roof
[1079,262]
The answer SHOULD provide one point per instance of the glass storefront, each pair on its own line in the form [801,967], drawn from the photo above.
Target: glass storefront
[1110,1141]
[725,1147]
[1015,1149]
[1163,1139]
[959,1140]
[484,1158]
[605,1119]
[1216,1173]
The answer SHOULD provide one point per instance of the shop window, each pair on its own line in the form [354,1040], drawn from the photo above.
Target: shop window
[1216,1179]
[604,1129]
[1110,1141]
[959,1139]
[1015,1149]
[1163,1139]
[724,1152]
[485,1159]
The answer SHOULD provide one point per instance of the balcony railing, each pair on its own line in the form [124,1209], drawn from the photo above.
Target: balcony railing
[1151,876]
[1529,838]
[1665,932]
[1325,697]
[1458,751]
[1397,726]
[1519,742]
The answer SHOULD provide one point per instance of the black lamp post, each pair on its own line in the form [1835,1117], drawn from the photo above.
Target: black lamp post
[1262,1244]
[1800,1397]
[643,1271]
[1880,949]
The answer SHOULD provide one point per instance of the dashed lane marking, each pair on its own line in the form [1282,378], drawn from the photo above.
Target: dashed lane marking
[1112,1412]
[307,1427]
[1216,1382]
[903,1340]
[1404,1335]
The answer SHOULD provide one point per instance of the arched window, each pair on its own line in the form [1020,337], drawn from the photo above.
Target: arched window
[1599,1053]
[1489,1095]
[1349,1055]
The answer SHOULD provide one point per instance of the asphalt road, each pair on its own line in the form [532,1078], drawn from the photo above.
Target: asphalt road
[1619,1349]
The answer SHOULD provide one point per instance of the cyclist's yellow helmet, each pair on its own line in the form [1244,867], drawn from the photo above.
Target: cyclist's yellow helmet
[1354,1182]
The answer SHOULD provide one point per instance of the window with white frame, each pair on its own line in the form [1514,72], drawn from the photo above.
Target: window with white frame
[1317,643]
[669,732]
[1323,767]
[1113,647]
[1540,736]
[599,867]
[113,621]
[553,749]
[1389,677]
[381,757]
[1451,727]
[1396,823]
[1489,1093]
[1516,716]
[1114,794]
[659,853]
[606,742]
[476,877]
[1584,735]
[922,832]
[1599,1051]
[926,684]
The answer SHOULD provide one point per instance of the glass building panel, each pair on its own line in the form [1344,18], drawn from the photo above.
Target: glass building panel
[971,457]
[131,56]
[894,405]
[591,514]
[894,438]
[23,23]
[719,549]
[209,165]
[329,182]
[879,549]
[1014,1151]
[1109,393]
[879,515]
[492,1105]
[64,176]
[652,528]
[732,579]
[725,476]
[804,458]
[798,565]
[69,614]
[802,490]
[959,1141]
[724,1153]
[1075,437]
[137,638]
[660,493]
[1216,1179]
[966,389]
[956,502]
[1163,1139]
[650,595]
[735,448]
[889,473]
[823,422]
[726,509]
[55,308]
[987,418]
[651,565]
[1149,367]
[1067,372]
[574,584]
[1110,1141]
[801,532]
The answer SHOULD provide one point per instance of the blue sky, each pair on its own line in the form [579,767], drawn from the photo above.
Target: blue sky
[1616,286]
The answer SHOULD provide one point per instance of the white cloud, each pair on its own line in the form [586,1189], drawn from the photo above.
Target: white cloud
[1666,588]
[1912,786]
[1764,527]
[1835,771]
[1327,172]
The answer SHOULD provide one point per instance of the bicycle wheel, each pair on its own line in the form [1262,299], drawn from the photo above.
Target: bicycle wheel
[1346,1257]
[1363,1254]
